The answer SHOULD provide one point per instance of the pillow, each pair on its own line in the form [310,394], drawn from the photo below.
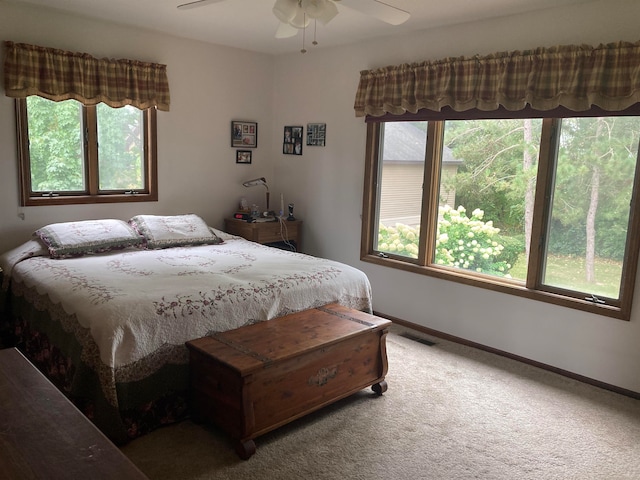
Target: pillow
[163,231]
[74,239]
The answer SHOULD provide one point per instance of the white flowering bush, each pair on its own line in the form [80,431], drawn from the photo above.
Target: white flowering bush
[400,239]
[469,243]
[461,242]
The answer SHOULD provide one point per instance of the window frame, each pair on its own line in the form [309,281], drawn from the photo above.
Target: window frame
[533,288]
[92,193]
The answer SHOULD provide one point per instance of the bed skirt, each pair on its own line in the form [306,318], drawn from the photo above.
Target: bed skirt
[144,405]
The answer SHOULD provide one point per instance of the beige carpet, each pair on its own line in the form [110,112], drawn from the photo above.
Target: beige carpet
[451,412]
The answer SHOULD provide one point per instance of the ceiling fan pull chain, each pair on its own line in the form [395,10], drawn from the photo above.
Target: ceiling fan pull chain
[304,30]
[315,30]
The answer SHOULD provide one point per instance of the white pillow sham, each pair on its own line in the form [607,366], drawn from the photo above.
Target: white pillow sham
[163,231]
[74,239]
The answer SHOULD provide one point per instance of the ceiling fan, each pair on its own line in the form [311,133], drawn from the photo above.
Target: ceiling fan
[295,15]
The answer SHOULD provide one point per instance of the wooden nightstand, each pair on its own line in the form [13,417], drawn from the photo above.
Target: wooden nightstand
[268,233]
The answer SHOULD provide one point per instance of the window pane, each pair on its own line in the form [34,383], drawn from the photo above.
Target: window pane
[55,145]
[487,188]
[590,207]
[401,174]
[120,148]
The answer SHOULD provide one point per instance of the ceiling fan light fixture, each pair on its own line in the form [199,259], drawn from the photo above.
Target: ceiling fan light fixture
[301,19]
[297,14]
[322,10]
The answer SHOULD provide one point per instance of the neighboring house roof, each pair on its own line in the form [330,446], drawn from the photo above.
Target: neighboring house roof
[405,141]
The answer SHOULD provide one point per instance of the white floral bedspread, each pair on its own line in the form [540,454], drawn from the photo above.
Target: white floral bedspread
[136,303]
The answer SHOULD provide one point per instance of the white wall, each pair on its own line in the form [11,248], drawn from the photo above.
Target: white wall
[326,185]
[210,86]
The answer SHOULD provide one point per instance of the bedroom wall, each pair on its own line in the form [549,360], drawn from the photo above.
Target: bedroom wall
[196,165]
[326,185]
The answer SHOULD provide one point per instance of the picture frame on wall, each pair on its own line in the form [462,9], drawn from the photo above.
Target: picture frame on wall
[316,134]
[243,156]
[244,134]
[292,141]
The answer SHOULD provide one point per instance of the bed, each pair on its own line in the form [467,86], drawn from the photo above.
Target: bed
[105,307]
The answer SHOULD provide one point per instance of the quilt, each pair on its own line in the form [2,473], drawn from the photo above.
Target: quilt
[125,315]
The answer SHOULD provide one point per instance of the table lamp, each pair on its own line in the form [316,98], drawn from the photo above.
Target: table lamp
[258,181]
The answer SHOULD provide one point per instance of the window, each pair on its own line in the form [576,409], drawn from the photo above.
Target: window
[545,209]
[71,153]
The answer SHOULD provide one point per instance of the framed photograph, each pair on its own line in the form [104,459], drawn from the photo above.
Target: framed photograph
[316,134]
[292,142]
[244,134]
[243,156]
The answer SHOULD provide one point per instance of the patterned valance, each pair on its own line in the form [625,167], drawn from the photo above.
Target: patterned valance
[60,75]
[575,77]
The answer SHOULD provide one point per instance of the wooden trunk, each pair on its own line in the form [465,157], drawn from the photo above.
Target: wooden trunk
[256,378]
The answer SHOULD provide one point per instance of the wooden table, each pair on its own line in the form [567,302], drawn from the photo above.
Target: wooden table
[256,378]
[266,232]
[44,436]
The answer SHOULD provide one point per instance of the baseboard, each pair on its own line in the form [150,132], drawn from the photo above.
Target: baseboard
[479,346]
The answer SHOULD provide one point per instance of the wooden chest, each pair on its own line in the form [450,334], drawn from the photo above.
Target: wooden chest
[256,378]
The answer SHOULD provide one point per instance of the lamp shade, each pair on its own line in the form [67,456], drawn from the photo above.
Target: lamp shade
[255,182]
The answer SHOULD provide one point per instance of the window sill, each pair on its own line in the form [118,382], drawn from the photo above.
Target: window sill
[88,199]
[501,285]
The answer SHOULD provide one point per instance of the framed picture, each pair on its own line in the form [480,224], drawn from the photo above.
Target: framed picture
[292,142]
[316,134]
[244,134]
[243,156]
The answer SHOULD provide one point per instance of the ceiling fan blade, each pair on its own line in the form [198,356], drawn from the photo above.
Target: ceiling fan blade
[380,10]
[286,30]
[285,10]
[197,3]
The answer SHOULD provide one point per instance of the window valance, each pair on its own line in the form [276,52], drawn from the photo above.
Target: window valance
[574,77]
[60,75]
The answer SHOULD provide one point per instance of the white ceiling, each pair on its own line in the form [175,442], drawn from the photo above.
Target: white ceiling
[250,24]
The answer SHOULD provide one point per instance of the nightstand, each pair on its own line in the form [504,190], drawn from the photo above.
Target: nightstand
[275,234]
